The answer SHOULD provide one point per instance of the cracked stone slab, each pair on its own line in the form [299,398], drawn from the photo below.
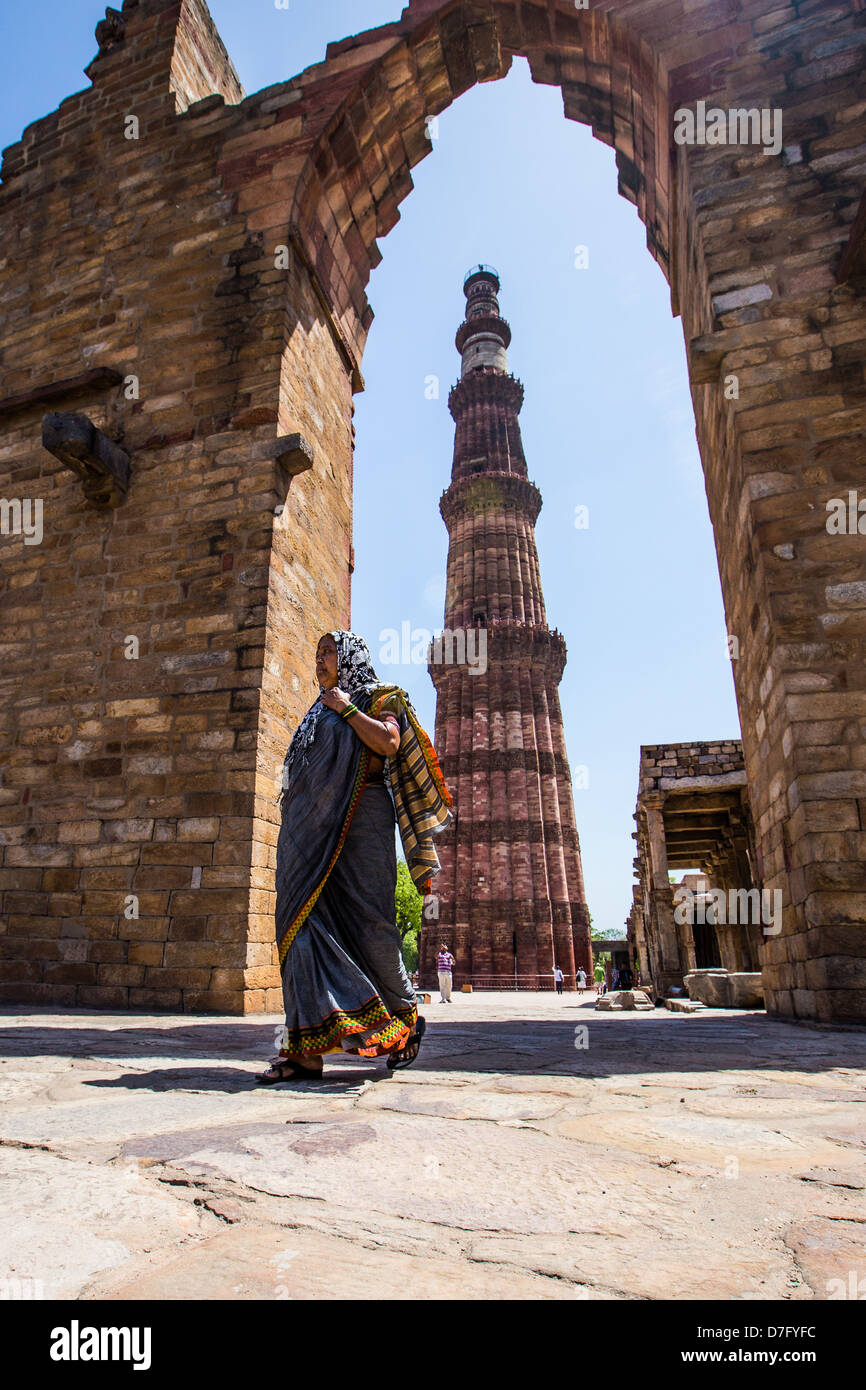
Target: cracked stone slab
[111,1108]
[64,1220]
[849,1133]
[296,1264]
[321,1134]
[506,1163]
[698,1137]
[475,1105]
[831,1255]
[435,1180]
[847,1179]
[648,1269]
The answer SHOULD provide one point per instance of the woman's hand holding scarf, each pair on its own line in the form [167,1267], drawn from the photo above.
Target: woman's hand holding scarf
[335,699]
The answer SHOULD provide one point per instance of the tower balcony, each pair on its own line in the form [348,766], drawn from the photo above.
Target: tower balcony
[486,384]
[476,492]
[471,651]
[488,272]
[484,323]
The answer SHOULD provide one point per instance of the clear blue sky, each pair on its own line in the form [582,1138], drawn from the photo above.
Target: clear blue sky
[607,422]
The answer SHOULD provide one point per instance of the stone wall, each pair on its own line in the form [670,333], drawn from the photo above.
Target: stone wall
[663,765]
[148,785]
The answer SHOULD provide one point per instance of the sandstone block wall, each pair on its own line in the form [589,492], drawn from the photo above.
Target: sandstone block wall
[155,657]
[663,765]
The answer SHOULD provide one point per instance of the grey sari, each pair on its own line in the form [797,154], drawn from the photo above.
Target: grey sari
[345,986]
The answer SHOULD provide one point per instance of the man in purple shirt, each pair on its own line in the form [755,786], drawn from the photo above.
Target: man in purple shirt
[444,965]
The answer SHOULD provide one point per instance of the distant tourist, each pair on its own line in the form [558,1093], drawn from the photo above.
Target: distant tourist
[558,977]
[444,965]
[614,984]
[581,980]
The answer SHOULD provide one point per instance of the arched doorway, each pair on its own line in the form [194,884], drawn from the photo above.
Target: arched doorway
[733,229]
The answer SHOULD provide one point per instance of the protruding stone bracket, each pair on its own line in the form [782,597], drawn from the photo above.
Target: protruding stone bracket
[705,358]
[102,466]
[293,455]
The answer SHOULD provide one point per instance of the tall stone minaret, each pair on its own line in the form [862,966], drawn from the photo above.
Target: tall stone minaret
[510,896]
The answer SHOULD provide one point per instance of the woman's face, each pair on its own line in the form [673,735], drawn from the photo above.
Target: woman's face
[326,662]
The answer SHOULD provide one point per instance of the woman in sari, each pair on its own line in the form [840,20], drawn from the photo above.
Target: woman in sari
[358,757]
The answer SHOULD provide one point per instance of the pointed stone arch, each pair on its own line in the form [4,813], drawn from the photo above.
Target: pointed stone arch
[751,243]
[617,72]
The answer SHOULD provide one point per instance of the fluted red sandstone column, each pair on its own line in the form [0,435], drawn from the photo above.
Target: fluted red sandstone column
[511,895]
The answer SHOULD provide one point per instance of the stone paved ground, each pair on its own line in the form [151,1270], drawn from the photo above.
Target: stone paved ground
[719,1155]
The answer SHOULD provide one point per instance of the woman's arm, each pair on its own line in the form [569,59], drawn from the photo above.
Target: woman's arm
[380,736]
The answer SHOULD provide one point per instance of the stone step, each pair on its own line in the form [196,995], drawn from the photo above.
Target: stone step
[685,1006]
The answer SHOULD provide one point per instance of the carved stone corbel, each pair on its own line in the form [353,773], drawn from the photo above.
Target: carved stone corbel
[292,455]
[102,466]
[110,30]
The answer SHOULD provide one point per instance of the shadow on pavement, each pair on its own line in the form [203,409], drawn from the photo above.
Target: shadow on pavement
[588,1045]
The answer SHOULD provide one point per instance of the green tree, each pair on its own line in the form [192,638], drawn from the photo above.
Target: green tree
[408,902]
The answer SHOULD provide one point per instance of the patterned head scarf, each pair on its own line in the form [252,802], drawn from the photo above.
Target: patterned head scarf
[355,675]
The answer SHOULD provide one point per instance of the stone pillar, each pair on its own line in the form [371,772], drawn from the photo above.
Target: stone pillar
[669,968]
[637,933]
[506,763]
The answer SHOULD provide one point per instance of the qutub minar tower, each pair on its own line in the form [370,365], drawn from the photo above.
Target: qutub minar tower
[511,899]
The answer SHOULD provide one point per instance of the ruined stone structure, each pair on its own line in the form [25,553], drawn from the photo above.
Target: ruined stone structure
[511,896]
[693,813]
[186,267]
[621,955]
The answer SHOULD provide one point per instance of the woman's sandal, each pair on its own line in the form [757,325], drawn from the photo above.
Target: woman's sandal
[406,1056]
[288,1071]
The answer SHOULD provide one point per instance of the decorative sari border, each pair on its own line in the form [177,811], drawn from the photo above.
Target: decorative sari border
[391,1038]
[354,801]
[342,1023]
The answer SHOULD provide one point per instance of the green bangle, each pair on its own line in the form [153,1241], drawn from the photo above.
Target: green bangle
[349,711]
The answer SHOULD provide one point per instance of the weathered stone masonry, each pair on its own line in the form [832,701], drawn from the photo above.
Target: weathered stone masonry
[155,257]
[693,812]
[156,776]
